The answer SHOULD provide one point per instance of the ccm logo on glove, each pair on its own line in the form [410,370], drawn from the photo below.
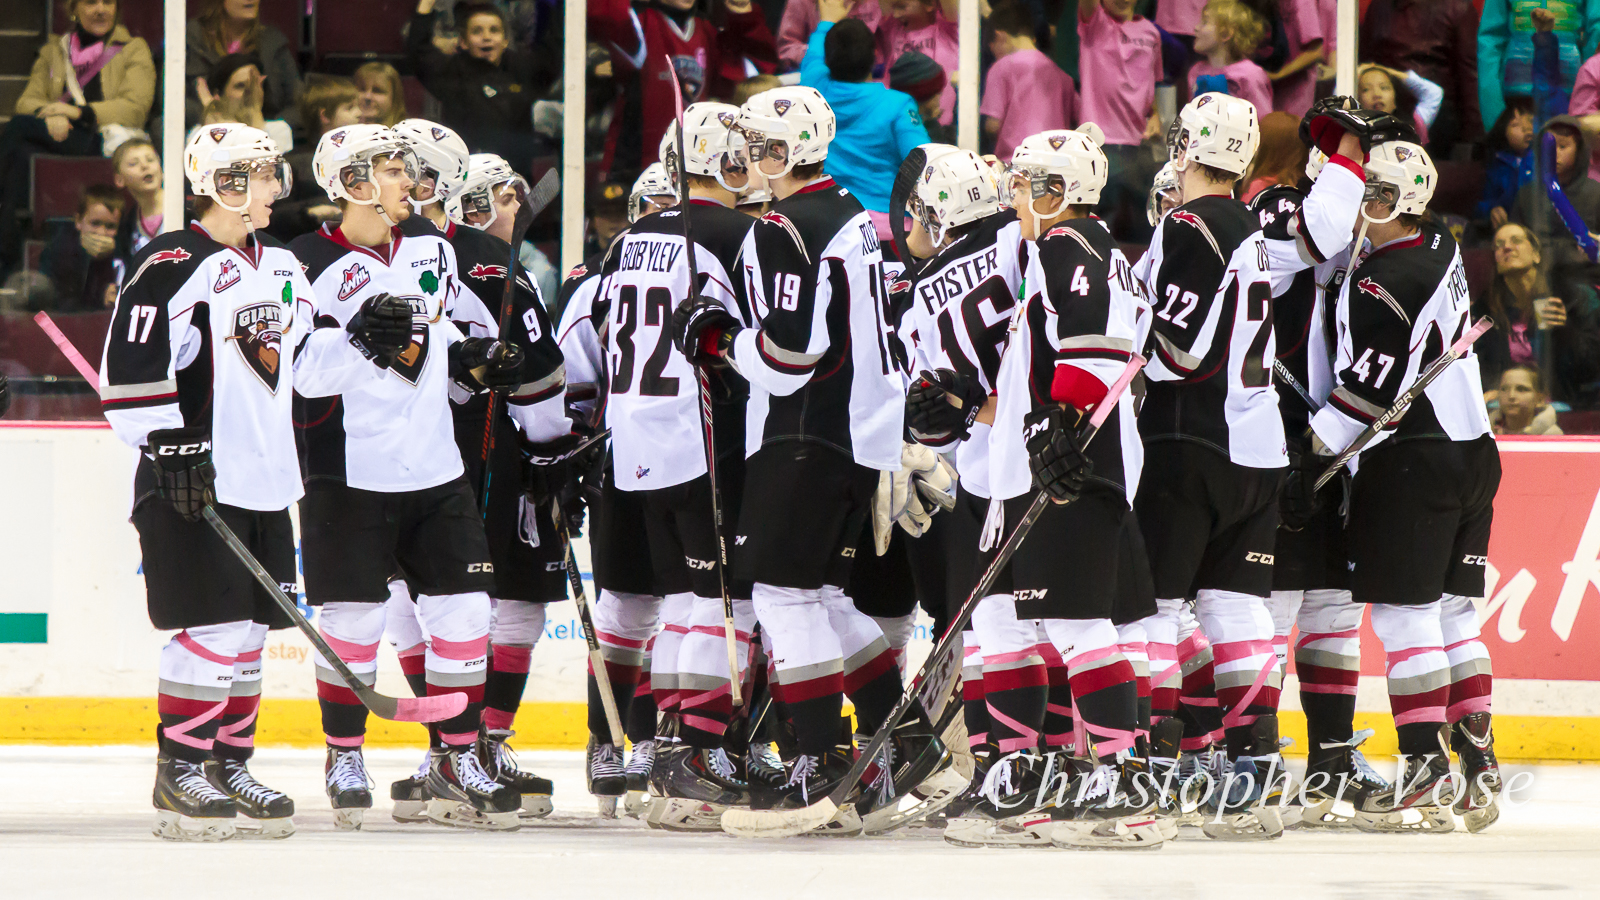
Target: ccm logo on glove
[184,449]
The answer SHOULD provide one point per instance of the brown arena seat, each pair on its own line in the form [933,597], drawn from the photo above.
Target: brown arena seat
[57,181]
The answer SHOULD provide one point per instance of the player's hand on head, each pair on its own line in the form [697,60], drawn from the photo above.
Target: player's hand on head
[185,475]
[1055,452]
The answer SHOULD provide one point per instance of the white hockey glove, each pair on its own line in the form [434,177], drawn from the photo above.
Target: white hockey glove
[924,484]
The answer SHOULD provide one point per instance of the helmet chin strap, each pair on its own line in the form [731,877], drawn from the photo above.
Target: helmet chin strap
[243,209]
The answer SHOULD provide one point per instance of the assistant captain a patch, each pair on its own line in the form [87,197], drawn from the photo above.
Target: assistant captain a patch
[258,333]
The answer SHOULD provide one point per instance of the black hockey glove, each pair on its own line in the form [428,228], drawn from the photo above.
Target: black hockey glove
[547,468]
[5,394]
[381,328]
[1325,130]
[1298,502]
[1055,452]
[943,404]
[479,364]
[184,473]
[703,329]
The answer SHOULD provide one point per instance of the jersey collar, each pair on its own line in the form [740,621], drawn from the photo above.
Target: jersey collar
[250,252]
[707,201]
[1404,243]
[821,184]
[384,254]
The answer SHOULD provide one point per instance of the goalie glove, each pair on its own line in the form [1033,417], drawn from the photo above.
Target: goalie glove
[941,406]
[479,364]
[703,329]
[1323,128]
[381,328]
[1055,452]
[185,476]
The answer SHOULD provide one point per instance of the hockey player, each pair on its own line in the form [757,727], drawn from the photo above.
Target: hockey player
[652,192]
[658,452]
[442,161]
[385,483]
[1422,498]
[1214,440]
[193,376]
[825,417]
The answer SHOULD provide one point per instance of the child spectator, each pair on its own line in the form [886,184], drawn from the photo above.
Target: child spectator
[1572,146]
[1295,85]
[1282,156]
[237,78]
[800,18]
[1521,405]
[1401,94]
[382,97]
[1228,34]
[915,73]
[486,88]
[925,26]
[1026,92]
[138,171]
[752,86]
[1506,47]
[1510,167]
[1551,322]
[81,261]
[708,62]
[877,126]
[1119,64]
[326,103]
[225,27]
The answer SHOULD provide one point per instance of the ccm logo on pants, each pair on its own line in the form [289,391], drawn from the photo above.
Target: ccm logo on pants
[702,565]
[1263,558]
[1475,560]
[1031,594]
[479,567]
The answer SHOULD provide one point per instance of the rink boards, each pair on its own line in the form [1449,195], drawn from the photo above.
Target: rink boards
[77,653]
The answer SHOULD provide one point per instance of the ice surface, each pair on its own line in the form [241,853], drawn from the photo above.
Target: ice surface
[76,823]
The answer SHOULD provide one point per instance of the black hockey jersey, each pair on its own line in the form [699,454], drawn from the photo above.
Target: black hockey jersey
[1083,311]
[1402,307]
[1210,371]
[817,355]
[199,336]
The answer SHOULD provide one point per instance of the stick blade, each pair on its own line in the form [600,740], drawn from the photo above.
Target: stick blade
[417,709]
[541,194]
[778,823]
[905,181]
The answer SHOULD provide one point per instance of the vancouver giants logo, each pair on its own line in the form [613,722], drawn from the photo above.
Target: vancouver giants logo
[1190,218]
[355,278]
[227,277]
[411,361]
[783,221]
[217,134]
[258,333]
[1376,290]
[781,106]
[178,255]
[481,271]
[578,271]
[438,133]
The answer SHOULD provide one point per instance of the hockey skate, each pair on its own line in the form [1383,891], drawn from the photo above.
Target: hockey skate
[1116,810]
[983,758]
[641,759]
[501,764]
[348,787]
[269,812]
[462,795]
[410,796]
[810,779]
[1472,739]
[603,775]
[1335,773]
[1418,802]
[1197,781]
[921,769]
[763,773]
[697,787]
[188,806]
[1165,766]
[1246,804]
[1017,804]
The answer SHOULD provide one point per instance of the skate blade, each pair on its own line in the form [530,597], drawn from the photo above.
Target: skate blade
[1326,815]
[535,806]
[636,804]
[455,814]
[1126,833]
[264,829]
[1262,823]
[1016,832]
[1477,820]
[349,819]
[172,826]
[409,812]
[1426,820]
[845,823]
[684,816]
[936,793]
[606,805]
[773,823]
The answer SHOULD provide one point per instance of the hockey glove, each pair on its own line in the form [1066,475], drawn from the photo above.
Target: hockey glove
[479,364]
[942,405]
[184,473]
[547,468]
[381,328]
[1055,452]
[1326,129]
[1298,502]
[703,329]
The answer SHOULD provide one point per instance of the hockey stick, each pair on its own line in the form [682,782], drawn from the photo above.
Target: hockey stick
[1287,377]
[533,203]
[52,331]
[787,823]
[905,181]
[703,380]
[1404,401]
[597,661]
[435,708]
[1558,199]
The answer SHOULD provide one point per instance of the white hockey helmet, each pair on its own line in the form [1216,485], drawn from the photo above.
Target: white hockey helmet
[1164,190]
[1066,164]
[652,182]
[344,158]
[1400,174]
[220,158]
[791,124]
[1217,130]
[442,155]
[955,188]
[707,128]
[486,175]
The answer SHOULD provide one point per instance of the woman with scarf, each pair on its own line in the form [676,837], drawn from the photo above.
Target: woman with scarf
[95,76]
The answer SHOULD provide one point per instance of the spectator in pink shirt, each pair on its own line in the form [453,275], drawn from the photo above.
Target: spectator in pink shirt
[1026,92]
[1585,106]
[1119,63]
[1295,85]
[1180,17]
[800,18]
[1228,34]
[925,26]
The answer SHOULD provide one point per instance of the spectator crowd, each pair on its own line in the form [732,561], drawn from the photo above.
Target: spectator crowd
[1506,97]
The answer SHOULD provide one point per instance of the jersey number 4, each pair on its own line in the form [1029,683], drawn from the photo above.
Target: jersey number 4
[657,314]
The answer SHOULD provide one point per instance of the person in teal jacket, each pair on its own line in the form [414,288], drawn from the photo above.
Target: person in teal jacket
[877,127]
[1505,47]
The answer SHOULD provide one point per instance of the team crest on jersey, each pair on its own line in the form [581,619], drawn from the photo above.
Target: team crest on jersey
[355,278]
[578,271]
[409,364]
[227,278]
[641,472]
[1368,286]
[177,254]
[783,221]
[258,333]
[691,76]
[781,106]
[479,270]
[438,133]
[1189,218]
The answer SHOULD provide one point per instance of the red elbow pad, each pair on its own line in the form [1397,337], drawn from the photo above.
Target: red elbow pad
[1077,387]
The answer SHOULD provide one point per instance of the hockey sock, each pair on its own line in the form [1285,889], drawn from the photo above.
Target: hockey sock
[1471,676]
[676,611]
[624,625]
[1327,659]
[1418,672]
[413,664]
[404,632]
[640,720]
[196,675]
[1197,703]
[973,706]
[705,701]
[517,627]
[1015,692]
[1245,667]
[1161,647]
[352,630]
[1131,641]
[458,625]
[808,661]
[897,632]
[871,674]
[236,736]
[1102,682]
[1059,722]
